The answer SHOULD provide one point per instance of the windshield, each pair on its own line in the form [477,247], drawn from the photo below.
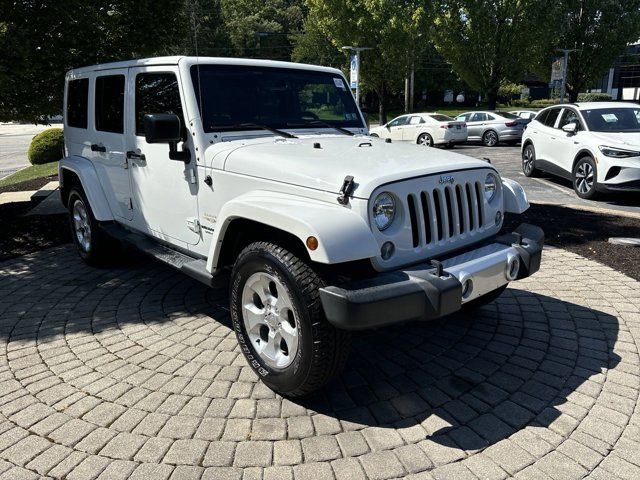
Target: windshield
[233,95]
[613,119]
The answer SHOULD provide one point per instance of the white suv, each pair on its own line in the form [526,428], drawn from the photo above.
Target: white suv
[595,145]
[262,174]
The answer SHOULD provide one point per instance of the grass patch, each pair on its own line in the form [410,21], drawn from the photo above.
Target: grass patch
[30,173]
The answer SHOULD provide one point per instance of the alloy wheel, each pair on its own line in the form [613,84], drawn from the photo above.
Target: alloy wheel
[527,160]
[82,225]
[425,140]
[490,138]
[584,177]
[270,320]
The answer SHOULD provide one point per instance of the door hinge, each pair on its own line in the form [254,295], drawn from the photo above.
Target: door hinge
[193,224]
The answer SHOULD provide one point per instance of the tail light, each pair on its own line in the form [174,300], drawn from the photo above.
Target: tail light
[511,124]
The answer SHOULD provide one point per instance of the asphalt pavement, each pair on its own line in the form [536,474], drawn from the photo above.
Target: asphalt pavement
[14,143]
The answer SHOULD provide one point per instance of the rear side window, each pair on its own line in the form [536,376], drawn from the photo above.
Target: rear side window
[110,103]
[542,116]
[156,93]
[550,119]
[77,102]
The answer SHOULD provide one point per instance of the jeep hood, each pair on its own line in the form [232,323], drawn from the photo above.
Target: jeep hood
[322,162]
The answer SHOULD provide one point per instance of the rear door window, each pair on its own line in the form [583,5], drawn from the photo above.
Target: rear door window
[110,103]
[77,102]
[552,116]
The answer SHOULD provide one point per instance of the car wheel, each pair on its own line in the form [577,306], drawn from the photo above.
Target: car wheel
[529,161]
[484,300]
[490,138]
[95,247]
[425,140]
[279,321]
[584,178]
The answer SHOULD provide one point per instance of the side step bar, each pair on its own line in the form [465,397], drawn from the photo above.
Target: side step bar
[193,267]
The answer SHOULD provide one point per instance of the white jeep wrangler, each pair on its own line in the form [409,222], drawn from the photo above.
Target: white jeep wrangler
[264,171]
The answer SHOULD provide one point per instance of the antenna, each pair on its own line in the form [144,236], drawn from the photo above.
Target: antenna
[195,41]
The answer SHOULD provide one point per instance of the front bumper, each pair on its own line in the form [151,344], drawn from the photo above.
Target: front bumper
[418,293]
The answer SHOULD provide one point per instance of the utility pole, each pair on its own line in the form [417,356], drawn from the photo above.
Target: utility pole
[565,68]
[357,51]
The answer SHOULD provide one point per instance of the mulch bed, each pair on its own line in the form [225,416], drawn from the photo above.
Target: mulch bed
[586,234]
[578,231]
[35,184]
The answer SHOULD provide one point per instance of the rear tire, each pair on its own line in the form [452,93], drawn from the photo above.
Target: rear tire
[425,140]
[490,138]
[279,322]
[94,246]
[529,161]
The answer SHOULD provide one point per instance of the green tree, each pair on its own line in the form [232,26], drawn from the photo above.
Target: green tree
[40,41]
[391,28]
[600,31]
[490,41]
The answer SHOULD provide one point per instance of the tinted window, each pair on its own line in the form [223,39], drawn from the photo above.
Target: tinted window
[232,95]
[77,102]
[542,116]
[478,117]
[508,115]
[443,118]
[613,119]
[157,93]
[568,116]
[550,119]
[110,103]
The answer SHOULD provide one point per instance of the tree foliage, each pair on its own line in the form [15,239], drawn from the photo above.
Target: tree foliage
[390,28]
[490,41]
[600,30]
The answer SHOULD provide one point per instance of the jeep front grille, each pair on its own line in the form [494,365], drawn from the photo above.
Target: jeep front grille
[444,212]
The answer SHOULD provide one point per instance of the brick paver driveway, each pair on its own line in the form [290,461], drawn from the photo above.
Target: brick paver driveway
[135,372]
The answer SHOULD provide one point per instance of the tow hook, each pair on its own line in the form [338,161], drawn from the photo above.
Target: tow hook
[347,187]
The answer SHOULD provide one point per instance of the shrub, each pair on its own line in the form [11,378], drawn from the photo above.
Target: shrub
[594,97]
[544,102]
[46,147]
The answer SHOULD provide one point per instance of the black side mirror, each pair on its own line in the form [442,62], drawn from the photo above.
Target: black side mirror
[387,126]
[166,128]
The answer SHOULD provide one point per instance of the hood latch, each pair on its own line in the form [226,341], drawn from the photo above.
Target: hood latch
[347,187]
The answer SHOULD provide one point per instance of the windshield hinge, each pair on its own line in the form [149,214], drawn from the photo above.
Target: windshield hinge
[193,224]
[345,191]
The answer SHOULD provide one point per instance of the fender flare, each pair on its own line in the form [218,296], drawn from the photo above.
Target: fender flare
[343,235]
[86,173]
[515,198]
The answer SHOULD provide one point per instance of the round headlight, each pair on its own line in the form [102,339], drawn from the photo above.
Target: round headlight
[384,210]
[490,186]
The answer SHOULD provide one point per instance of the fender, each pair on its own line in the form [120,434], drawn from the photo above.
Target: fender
[343,235]
[86,172]
[515,198]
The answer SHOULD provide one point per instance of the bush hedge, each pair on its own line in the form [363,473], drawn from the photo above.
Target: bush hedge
[46,147]
[594,97]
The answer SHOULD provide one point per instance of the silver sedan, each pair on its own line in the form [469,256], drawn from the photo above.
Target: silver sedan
[493,127]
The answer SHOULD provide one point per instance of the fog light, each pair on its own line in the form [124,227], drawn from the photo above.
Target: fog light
[467,288]
[387,250]
[513,267]
[498,218]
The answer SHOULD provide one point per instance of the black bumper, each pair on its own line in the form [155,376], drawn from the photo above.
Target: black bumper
[417,293]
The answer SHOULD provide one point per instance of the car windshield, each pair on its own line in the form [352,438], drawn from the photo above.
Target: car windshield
[623,119]
[232,95]
[441,118]
[508,115]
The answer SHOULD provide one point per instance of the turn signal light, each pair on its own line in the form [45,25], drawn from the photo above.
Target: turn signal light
[312,243]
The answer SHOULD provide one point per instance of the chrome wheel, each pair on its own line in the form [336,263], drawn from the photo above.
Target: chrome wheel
[584,177]
[490,138]
[82,225]
[425,140]
[269,319]
[527,160]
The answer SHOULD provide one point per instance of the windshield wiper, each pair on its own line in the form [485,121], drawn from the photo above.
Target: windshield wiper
[320,123]
[266,127]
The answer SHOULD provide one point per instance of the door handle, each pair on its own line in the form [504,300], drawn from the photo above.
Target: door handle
[98,148]
[135,156]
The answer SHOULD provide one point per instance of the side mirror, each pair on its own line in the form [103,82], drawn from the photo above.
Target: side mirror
[166,128]
[570,128]
[386,125]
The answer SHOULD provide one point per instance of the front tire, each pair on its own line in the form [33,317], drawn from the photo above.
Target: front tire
[425,140]
[585,176]
[279,322]
[490,138]
[93,245]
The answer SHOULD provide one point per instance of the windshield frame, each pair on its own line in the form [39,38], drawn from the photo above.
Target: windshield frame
[288,124]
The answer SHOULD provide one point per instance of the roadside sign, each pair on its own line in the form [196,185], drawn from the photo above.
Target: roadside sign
[354,71]
[557,69]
